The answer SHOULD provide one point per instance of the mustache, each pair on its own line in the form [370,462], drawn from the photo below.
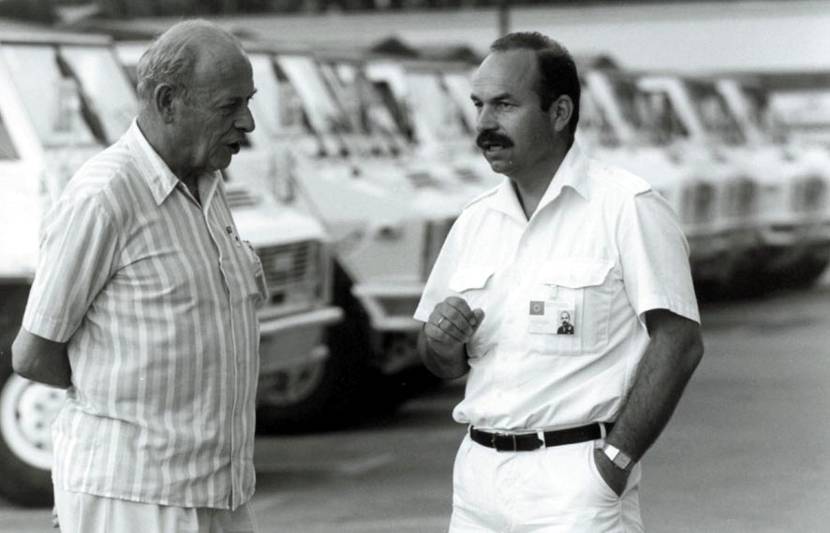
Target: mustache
[488,137]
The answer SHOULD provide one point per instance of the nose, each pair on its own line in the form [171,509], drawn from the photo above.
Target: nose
[245,120]
[485,120]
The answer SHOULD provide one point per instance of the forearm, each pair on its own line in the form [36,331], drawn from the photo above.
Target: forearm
[41,360]
[661,377]
[446,367]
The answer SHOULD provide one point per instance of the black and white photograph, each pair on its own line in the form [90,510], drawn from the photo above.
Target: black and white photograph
[414,266]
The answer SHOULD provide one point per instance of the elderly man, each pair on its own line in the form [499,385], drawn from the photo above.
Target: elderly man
[143,307]
[559,415]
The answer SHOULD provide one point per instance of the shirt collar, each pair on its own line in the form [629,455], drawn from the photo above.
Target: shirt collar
[571,173]
[158,176]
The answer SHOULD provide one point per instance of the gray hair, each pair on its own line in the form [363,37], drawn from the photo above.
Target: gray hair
[171,59]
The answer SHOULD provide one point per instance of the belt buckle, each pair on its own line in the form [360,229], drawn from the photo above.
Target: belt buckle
[494,442]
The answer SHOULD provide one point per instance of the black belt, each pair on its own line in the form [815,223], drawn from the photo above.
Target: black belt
[525,442]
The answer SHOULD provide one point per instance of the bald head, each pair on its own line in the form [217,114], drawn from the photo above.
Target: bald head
[195,83]
[185,56]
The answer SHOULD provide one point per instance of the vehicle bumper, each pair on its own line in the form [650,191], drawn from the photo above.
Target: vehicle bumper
[295,339]
[390,305]
[812,231]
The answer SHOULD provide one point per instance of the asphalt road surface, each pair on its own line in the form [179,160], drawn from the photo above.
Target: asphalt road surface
[747,449]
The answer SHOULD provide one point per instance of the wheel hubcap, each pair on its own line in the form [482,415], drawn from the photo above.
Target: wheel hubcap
[27,410]
[294,384]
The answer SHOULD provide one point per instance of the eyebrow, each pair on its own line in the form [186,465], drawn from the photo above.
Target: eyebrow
[500,96]
[233,99]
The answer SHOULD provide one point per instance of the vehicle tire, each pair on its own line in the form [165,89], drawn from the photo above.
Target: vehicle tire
[411,381]
[335,400]
[26,412]
[25,416]
[804,273]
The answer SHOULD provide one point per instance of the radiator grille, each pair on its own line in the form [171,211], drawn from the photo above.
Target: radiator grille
[809,194]
[741,197]
[698,203]
[294,274]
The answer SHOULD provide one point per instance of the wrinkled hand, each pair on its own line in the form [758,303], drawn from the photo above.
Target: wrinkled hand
[615,477]
[451,325]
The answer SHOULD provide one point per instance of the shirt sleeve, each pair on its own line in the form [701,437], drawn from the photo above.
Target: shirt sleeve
[76,259]
[437,288]
[655,258]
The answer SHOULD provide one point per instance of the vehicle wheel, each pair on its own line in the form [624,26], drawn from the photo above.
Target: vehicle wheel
[412,380]
[804,273]
[26,413]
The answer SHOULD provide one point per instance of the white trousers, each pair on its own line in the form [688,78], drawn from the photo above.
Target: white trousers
[85,513]
[549,490]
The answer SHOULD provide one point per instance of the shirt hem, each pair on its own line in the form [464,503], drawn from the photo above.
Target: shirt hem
[686,310]
[194,504]
[46,326]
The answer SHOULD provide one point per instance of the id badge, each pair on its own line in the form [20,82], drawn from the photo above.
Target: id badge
[552,317]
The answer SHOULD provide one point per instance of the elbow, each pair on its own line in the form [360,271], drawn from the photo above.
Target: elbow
[20,364]
[694,351]
[43,367]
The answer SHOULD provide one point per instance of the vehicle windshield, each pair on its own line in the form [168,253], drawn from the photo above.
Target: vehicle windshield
[106,87]
[439,112]
[277,106]
[388,113]
[366,108]
[346,88]
[714,113]
[51,95]
[323,112]
[651,116]
[762,115]
[458,84]
[593,123]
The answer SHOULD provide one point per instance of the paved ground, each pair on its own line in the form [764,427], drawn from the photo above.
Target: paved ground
[746,451]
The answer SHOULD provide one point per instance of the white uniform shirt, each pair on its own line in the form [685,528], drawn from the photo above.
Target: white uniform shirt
[564,294]
[155,296]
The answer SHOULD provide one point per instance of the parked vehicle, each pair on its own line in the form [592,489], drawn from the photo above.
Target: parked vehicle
[771,185]
[388,155]
[386,232]
[809,163]
[626,127]
[63,98]
[440,123]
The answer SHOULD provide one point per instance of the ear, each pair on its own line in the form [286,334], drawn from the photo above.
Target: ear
[560,112]
[165,101]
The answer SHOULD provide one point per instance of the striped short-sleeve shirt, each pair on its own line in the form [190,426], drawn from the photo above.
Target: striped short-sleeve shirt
[155,295]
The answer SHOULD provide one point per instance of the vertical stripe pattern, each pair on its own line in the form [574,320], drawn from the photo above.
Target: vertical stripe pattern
[155,296]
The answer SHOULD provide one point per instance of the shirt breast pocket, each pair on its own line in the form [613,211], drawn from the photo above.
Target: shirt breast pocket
[471,284]
[255,284]
[575,306]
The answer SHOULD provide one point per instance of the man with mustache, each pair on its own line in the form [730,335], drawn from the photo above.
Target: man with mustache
[558,418]
[143,308]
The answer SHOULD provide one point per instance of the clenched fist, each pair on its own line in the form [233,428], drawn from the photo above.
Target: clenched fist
[450,326]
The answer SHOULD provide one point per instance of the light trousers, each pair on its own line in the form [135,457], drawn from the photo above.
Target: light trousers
[549,490]
[85,513]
